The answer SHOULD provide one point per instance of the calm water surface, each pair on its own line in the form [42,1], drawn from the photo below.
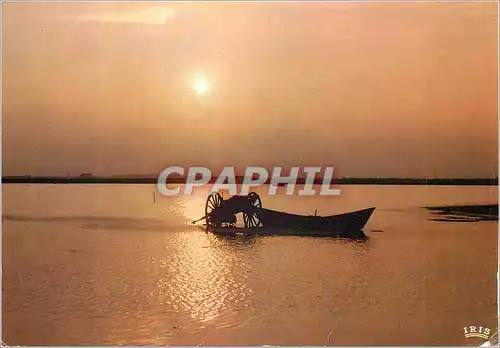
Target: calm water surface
[105,265]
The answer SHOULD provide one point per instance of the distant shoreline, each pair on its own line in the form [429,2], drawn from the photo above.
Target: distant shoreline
[300,181]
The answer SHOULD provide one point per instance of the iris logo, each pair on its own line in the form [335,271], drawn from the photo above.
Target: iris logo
[477,331]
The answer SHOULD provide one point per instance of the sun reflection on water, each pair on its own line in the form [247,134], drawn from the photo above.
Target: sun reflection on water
[199,278]
[193,206]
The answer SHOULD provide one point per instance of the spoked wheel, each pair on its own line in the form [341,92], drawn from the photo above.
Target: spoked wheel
[214,201]
[250,218]
[255,199]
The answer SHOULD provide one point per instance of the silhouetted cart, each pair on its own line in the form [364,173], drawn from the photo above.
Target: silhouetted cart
[220,217]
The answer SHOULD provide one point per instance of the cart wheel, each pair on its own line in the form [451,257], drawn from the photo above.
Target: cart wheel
[250,218]
[214,201]
[255,199]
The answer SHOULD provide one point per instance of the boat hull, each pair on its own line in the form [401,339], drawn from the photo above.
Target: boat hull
[348,225]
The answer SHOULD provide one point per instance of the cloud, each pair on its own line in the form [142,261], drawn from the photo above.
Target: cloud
[152,15]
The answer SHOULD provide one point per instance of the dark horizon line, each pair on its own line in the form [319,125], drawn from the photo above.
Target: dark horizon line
[239,179]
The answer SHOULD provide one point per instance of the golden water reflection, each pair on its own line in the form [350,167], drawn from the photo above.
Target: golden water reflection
[193,206]
[199,279]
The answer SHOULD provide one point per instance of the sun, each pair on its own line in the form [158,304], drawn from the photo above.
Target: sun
[201,85]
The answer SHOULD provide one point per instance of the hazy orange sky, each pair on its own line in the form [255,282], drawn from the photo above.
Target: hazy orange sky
[374,89]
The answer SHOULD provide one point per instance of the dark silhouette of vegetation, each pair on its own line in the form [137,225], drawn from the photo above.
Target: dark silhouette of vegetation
[465,213]
[89,179]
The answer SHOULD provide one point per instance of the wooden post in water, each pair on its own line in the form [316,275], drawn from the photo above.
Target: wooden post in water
[154,197]
[315,211]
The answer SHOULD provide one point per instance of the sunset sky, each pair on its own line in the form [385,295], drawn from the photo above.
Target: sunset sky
[373,89]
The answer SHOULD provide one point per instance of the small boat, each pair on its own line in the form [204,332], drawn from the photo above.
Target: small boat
[220,219]
[349,225]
